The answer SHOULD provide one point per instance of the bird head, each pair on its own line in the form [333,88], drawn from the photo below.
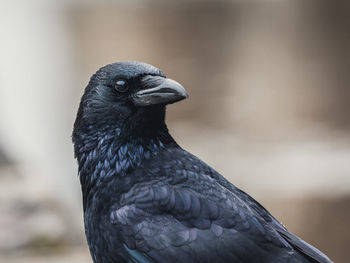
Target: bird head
[128,95]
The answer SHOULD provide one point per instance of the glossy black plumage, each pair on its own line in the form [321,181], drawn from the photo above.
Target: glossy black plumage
[148,200]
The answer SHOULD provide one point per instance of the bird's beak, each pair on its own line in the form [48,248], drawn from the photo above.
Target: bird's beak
[158,90]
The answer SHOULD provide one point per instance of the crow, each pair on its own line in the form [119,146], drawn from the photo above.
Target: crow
[146,200]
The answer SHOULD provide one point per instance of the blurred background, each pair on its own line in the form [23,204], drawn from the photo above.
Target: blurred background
[268,108]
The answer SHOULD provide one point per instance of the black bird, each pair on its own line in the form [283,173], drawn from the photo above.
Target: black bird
[146,199]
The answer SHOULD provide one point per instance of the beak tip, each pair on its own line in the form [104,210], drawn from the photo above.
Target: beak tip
[185,95]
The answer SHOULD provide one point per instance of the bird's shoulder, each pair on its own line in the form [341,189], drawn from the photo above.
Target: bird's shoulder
[184,203]
[182,185]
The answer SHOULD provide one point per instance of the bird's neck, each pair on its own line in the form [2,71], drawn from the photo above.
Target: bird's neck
[107,153]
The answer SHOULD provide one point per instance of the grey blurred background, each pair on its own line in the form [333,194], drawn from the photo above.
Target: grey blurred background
[268,107]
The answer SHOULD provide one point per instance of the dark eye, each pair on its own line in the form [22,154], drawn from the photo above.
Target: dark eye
[121,86]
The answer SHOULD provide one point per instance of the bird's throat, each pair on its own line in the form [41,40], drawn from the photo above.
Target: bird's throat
[111,153]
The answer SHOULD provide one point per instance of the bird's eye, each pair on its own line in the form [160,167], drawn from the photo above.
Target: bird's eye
[121,86]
